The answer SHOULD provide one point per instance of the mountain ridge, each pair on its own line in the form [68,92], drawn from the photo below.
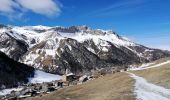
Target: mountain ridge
[77,48]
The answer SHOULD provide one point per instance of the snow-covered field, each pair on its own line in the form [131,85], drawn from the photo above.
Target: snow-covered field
[41,77]
[148,91]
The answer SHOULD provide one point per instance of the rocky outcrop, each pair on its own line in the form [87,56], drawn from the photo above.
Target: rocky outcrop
[14,48]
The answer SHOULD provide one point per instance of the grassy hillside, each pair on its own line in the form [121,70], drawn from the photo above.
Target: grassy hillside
[111,87]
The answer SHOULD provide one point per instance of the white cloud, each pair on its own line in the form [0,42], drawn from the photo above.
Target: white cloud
[17,8]
[8,9]
[120,7]
[44,7]
[7,6]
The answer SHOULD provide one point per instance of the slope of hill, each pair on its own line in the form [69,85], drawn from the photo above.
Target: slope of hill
[12,72]
[110,87]
[146,84]
[78,48]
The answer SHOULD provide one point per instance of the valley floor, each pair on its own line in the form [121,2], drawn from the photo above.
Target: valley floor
[144,84]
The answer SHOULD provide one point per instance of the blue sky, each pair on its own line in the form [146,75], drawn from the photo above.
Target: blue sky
[143,21]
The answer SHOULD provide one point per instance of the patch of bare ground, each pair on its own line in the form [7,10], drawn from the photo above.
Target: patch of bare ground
[159,75]
[117,86]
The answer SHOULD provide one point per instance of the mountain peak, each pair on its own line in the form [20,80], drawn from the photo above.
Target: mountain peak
[55,48]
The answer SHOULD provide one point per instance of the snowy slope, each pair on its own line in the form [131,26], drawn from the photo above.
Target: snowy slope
[108,36]
[53,48]
[41,77]
[33,32]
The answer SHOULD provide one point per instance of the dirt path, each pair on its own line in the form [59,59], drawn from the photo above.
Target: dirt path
[148,91]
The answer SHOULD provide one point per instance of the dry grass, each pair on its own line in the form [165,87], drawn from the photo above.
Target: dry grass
[159,75]
[157,61]
[161,60]
[117,86]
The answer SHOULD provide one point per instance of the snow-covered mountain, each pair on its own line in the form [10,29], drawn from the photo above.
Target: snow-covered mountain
[77,48]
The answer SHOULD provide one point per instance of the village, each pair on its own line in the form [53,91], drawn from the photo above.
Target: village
[68,79]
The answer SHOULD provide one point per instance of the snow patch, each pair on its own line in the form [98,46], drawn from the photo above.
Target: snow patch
[145,65]
[148,66]
[139,54]
[148,50]
[8,91]
[70,48]
[81,37]
[30,59]
[50,52]
[91,50]
[105,49]
[39,27]
[158,65]
[41,77]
